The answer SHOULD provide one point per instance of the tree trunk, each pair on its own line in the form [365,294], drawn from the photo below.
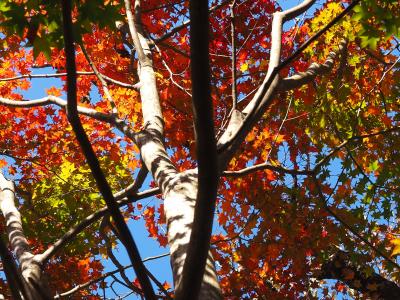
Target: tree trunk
[179,202]
[34,284]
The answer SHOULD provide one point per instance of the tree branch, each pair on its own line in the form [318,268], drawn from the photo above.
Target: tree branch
[264,95]
[116,262]
[185,24]
[100,278]
[114,109]
[78,73]
[89,112]
[241,124]
[31,267]
[317,166]
[373,285]
[150,140]
[61,103]
[101,181]
[314,70]
[266,166]
[106,223]
[233,55]
[199,244]
[125,196]
[15,282]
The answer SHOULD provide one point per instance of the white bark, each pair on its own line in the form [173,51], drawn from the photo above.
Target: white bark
[179,201]
[29,263]
[179,189]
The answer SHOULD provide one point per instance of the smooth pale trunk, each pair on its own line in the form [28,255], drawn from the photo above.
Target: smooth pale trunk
[179,202]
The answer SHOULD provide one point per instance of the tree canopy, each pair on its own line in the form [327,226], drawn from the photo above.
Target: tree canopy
[263,135]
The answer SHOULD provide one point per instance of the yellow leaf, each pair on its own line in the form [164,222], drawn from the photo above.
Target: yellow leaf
[396,248]
[244,67]
[236,257]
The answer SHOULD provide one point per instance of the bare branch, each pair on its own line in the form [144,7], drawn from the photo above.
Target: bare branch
[78,73]
[106,223]
[150,140]
[238,129]
[233,55]
[14,280]
[122,273]
[264,96]
[113,120]
[101,181]
[318,165]
[61,103]
[34,285]
[33,76]
[101,79]
[297,10]
[266,166]
[171,74]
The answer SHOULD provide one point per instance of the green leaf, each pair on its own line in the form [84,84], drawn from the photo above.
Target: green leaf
[41,45]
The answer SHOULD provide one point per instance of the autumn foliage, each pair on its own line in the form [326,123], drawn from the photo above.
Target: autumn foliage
[318,172]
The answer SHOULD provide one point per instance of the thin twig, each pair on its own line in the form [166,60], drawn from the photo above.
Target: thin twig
[185,24]
[78,73]
[102,277]
[280,128]
[114,109]
[233,55]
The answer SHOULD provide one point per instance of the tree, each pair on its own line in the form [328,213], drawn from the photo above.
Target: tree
[281,126]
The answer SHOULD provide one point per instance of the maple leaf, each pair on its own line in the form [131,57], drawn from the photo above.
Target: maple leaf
[244,67]
[54,91]
[3,163]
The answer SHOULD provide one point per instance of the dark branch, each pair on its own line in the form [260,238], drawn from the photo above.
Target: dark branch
[197,253]
[100,278]
[184,25]
[233,55]
[101,181]
[89,220]
[373,285]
